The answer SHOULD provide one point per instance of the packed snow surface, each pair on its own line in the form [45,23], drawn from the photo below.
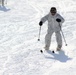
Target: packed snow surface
[19,45]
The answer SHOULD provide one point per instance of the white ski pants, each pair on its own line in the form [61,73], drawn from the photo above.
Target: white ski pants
[48,38]
[2,2]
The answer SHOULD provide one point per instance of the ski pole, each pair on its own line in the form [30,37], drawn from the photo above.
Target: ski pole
[62,35]
[39,33]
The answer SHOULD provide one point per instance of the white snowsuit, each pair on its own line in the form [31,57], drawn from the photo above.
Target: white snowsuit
[53,26]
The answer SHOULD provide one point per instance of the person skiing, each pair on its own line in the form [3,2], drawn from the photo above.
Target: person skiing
[55,21]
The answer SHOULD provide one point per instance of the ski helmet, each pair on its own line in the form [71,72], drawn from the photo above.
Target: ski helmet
[53,10]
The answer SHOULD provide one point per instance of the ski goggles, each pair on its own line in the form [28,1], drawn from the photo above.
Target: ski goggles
[53,11]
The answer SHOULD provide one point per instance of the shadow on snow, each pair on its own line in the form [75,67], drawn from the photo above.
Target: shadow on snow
[60,57]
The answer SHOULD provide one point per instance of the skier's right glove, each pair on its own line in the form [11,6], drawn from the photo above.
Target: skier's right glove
[40,23]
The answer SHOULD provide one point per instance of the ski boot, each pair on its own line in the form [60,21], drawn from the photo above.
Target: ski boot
[46,47]
[59,48]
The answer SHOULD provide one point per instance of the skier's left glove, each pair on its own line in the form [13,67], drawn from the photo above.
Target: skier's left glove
[58,20]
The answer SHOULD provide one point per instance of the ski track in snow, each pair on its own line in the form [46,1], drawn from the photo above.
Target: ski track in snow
[19,48]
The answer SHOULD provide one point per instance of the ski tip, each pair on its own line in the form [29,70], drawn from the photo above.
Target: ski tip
[41,51]
[53,52]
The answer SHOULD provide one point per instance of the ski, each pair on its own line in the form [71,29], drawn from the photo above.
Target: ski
[51,51]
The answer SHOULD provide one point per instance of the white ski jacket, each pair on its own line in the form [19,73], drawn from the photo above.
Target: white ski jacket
[52,23]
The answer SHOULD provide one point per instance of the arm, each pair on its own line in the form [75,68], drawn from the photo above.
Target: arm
[44,19]
[61,18]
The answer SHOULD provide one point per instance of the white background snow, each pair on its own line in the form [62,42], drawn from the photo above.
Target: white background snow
[19,48]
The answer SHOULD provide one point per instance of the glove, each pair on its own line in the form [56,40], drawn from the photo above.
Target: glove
[40,23]
[58,20]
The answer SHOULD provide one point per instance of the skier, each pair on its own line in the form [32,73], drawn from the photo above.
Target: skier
[54,20]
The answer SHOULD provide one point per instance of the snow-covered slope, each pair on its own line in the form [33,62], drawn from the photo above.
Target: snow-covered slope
[19,48]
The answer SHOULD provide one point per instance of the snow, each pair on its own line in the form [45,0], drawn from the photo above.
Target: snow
[19,47]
